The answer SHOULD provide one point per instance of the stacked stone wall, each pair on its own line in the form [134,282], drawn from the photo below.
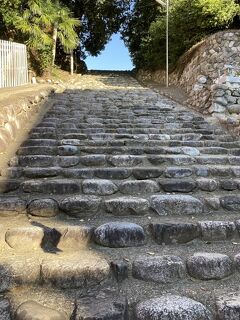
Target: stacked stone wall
[200,68]
[17,115]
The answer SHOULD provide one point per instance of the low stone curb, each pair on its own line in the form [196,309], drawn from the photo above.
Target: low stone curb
[15,115]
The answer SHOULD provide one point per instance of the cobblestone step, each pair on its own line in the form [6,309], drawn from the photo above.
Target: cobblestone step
[121,205]
[220,173]
[123,160]
[154,143]
[118,234]
[70,149]
[47,180]
[99,199]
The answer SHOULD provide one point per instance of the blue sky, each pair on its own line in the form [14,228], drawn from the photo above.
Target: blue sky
[114,57]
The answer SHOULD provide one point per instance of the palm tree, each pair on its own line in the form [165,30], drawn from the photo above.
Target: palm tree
[46,21]
[64,29]
[34,23]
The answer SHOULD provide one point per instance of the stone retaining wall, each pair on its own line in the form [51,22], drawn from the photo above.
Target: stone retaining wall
[200,67]
[225,97]
[18,112]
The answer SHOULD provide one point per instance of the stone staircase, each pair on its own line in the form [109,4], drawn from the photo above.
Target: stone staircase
[122,204]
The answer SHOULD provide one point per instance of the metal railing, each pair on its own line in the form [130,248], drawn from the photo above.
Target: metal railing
[13,64]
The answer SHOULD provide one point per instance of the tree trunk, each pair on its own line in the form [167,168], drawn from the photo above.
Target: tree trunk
[72,63]
[54,37]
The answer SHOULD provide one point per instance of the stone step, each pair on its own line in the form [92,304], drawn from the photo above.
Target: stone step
[79,121]
[158,130]
[140,137]
[121,205]
[111,305]
[120,131]
[69,150]
[151,143]
[191,274]
[106,187]
[117,234]
[56,198]
[219,173]
[102,117]
[75,270]
[97,116]
[124,160]
[92,269]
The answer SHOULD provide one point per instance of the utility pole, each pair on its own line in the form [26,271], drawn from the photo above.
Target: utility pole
[166,5]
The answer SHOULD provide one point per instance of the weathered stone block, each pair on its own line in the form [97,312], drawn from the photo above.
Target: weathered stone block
[125,160]
[74,237]
[207,266]
[176,205]
[162,269]
[178,185]
[119,234]
[176,172]
[228,306]
[99,187]
[230,203]
[138,187]
[93,160]
[125,206]
[234,108]
[12,205]
[5,309]
[87,270]
[68,161]
[67,150]
[35,311]
[43,208]
[147,173]
[59,186]
[217,230]
[172,307]
[101,308]
[80,206]
[25,238]
[120,269]
[113,173]
[170,233]
[207,184]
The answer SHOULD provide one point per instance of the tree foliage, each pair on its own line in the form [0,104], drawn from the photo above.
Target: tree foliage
[54,27]
[99,20]
[189,22]
[137,24]
[35,22]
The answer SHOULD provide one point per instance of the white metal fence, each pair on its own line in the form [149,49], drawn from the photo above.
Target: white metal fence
[13,64]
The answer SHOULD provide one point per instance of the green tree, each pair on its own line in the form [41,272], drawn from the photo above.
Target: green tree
[60,23]
[43,22]
[189,22]
[9,11]
[63,28]
[137,24]
[99,20]
[40,23]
